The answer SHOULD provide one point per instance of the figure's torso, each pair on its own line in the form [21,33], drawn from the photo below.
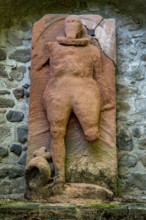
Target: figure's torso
[71,60]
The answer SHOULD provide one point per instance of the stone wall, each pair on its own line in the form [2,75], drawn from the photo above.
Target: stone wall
[15,55]
[15,52]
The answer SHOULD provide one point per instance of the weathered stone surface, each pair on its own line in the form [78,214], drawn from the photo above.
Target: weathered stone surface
[4,132]
[15,172]
[3,152]
[22,160]
[104,31]
[3,73]
[5,187]
[15,37]
[21,55]
[26,86]
[18,185]
[140,77]
[76,211]
[126,90]
[16,149]
[124,138]
[3,110]
[18,73]
[143,57]
[123,106]
[137,74]
[143,160]
[2,118]
[18,93]
[6,102]
[4,92]
[142,143]
[91,22]
[138,180]
[136,132]
[92,169]
[14,116]
[22,133]
[25,25]
[3,172]
[72,192]
[27,94]
[11,171]
[128,160]
[140,105]
[3,54]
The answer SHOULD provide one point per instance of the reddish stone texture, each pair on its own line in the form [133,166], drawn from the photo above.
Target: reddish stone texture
[72,99]
[91,21]
[105,32]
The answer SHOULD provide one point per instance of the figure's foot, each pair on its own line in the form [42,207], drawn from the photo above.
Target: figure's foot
[58,186]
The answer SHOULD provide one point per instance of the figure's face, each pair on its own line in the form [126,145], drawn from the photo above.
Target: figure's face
[73,26]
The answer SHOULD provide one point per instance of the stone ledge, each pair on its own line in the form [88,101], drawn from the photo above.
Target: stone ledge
[46,211]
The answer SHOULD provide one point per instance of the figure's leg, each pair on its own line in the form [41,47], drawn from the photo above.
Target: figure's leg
[58,111]
[87,107]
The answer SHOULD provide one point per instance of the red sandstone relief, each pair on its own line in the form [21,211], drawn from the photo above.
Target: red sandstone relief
[72,103]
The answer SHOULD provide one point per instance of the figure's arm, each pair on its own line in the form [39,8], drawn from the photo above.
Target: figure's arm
[42,56]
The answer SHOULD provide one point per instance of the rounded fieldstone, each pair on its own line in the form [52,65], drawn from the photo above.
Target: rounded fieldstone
[140,77]
[18,74]
[16,149]
[133,52]
[143,57]
[124,138]
[143,160]
[3,172]
[18,93]
[22,160]
[5,187]
[15,172]
[4,92]
[22,133]
[136,132]
[143,40]
[14,116]
[21,55]
[3,73]
[3,152]
[6,102]
[138,180]
[18,187]
[14,37]
[128,161]
[3,54]
[142,143]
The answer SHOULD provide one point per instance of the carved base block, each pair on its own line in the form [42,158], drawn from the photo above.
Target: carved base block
[76,193]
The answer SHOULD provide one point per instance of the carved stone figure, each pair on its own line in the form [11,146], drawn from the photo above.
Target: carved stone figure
[69,86]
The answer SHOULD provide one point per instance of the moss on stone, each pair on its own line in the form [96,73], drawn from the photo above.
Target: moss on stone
[13,11]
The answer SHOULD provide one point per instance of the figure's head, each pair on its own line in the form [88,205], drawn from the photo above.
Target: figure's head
[73,26]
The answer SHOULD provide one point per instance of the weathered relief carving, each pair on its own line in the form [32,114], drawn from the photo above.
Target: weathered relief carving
[72,105]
